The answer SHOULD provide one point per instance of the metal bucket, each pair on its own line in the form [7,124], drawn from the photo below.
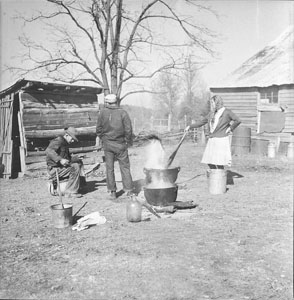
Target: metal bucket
[241,140]
[217,181]
[61,217]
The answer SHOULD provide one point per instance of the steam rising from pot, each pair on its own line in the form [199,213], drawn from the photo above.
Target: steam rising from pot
[156,160]
[155,155]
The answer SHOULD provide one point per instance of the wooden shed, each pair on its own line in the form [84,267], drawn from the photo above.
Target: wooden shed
[32,113]
[261,91]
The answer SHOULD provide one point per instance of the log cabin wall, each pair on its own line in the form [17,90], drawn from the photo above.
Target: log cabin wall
[244,102]
[33,113]
[45,114]
[286,99]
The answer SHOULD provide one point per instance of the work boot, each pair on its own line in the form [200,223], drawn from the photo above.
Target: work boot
[128,194]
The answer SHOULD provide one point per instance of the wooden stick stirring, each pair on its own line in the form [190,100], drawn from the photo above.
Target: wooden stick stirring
[58,189]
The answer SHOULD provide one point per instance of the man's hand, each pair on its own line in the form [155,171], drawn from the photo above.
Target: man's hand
[64,162]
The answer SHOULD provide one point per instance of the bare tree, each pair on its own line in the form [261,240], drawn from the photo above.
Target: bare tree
[103,42]
[194,89]
[167,93]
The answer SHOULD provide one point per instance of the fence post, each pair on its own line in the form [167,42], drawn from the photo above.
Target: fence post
[203,139]
[195,135]
[185,120]
[169,122]
[134,129]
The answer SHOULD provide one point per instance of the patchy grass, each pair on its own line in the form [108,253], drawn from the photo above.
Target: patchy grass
[232,246]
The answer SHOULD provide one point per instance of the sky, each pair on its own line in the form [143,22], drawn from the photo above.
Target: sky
[245,26]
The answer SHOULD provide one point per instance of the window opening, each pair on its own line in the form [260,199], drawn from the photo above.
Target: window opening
[269,95]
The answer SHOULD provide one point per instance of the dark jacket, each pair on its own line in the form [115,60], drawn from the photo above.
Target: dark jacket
[114,127]
[227,119]
[57,150]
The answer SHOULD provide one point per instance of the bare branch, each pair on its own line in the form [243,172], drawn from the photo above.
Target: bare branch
[140,92]
[100,41]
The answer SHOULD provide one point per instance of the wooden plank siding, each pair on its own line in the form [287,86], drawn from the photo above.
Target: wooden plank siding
[243,104]
[57,100]
[53,111]
[286,99]
[32,113]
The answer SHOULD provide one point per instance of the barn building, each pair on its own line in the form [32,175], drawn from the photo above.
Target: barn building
[33,112]
[261,92]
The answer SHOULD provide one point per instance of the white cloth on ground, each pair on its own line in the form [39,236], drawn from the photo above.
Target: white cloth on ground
[91,219]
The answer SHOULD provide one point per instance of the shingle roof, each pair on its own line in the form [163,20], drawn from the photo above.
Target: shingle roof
[32,85]
[273,65]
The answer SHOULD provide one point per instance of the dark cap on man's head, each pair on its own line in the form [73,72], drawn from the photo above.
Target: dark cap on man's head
[110,98]
[72,132]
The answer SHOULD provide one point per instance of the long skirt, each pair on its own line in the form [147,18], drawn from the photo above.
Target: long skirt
[217,152]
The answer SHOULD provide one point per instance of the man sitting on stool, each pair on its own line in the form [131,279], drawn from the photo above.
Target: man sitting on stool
[69,167]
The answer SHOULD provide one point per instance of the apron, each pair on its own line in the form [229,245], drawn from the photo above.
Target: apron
[218,149]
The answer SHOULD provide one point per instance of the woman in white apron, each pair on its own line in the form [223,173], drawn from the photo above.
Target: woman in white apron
[221,122]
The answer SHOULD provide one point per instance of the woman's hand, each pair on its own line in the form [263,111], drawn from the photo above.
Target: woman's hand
[187,128]
[229,130]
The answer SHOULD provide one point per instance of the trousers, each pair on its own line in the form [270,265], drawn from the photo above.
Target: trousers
[71,174]
[122,156]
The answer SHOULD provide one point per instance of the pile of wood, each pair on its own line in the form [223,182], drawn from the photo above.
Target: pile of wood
[169,137]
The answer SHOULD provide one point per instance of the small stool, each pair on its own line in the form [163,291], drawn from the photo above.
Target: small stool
[52,186]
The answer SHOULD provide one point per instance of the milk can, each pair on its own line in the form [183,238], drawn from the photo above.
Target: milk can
[134,210]
[290,152]
[217,181]
[271,150]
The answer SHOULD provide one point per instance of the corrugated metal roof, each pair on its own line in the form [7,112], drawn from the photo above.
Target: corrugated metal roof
[273,65]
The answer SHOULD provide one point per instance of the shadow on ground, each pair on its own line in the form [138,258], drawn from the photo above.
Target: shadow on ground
[231,175]
[93,184]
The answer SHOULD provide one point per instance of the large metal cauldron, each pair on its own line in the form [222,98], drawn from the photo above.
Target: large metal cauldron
[161,196]
[165,175]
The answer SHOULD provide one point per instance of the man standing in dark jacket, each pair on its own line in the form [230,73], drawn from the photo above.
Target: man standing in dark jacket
[114,128]
[59,159]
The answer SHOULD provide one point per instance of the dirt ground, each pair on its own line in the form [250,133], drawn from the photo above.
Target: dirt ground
[237,245]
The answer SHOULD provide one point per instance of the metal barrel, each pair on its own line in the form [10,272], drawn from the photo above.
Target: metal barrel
[241,140]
